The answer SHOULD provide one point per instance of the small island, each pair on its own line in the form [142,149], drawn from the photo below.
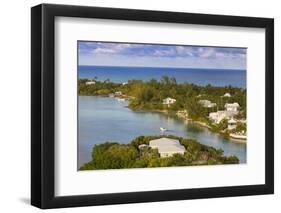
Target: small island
[155,151]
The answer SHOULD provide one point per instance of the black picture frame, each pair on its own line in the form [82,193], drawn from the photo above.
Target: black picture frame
[43,105]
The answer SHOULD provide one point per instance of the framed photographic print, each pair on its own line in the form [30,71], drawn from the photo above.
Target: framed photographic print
[139,106]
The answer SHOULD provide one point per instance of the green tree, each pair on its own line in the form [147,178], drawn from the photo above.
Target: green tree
[113,156]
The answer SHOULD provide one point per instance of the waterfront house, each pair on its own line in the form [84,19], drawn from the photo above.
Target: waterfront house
[218,116]
[232,107]
[207,103]
[213,116]
[90,82]
[169,101]
[226,95]
[118,93]
[231,124]
[167,147]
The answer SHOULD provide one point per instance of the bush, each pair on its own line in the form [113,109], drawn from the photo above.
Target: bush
[231,160]
[116,156]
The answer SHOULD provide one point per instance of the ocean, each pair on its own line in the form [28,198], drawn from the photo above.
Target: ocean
[215,77]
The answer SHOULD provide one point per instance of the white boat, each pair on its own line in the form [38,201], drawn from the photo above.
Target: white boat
[163,129]
[121,99]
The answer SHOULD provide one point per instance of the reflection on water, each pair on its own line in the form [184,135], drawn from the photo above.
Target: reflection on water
[191,127]
[104,119]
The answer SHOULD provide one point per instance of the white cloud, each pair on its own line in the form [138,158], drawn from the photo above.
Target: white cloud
[103,50]
[208,52]
[124,54]
[191,62]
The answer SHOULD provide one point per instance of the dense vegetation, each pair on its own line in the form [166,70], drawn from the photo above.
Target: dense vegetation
[115,156]
[149,95]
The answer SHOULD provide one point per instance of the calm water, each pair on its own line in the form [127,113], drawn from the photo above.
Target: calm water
[104,119]
[216,77]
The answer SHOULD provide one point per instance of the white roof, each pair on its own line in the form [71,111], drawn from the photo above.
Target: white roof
[167,145]
[207,103]
[232,105]
[204,101]
[168,98]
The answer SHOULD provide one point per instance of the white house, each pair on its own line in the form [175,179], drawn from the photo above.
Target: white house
[90,82]
[218,116]
[169,101]
[207,103]
[226,95]
[118,93]
[232,107]
[232,124]
[167,147]
[230,110]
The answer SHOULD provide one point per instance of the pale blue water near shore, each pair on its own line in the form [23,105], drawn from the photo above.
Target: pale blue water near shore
[216,77]
[104,119]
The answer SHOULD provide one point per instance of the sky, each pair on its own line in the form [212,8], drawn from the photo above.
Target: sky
[158,55]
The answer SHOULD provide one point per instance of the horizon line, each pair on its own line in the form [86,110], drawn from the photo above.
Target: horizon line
[165,67]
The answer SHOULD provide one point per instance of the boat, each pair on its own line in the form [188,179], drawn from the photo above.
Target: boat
[163,129]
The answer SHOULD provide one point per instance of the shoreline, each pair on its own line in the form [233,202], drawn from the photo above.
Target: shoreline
[238,138]
[181,115]
[200,123]
[229,136]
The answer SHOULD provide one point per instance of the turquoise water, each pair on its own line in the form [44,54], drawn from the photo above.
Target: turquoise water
[216,77]
[104,119]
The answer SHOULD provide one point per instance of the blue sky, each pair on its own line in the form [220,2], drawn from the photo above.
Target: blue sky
[156,55]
